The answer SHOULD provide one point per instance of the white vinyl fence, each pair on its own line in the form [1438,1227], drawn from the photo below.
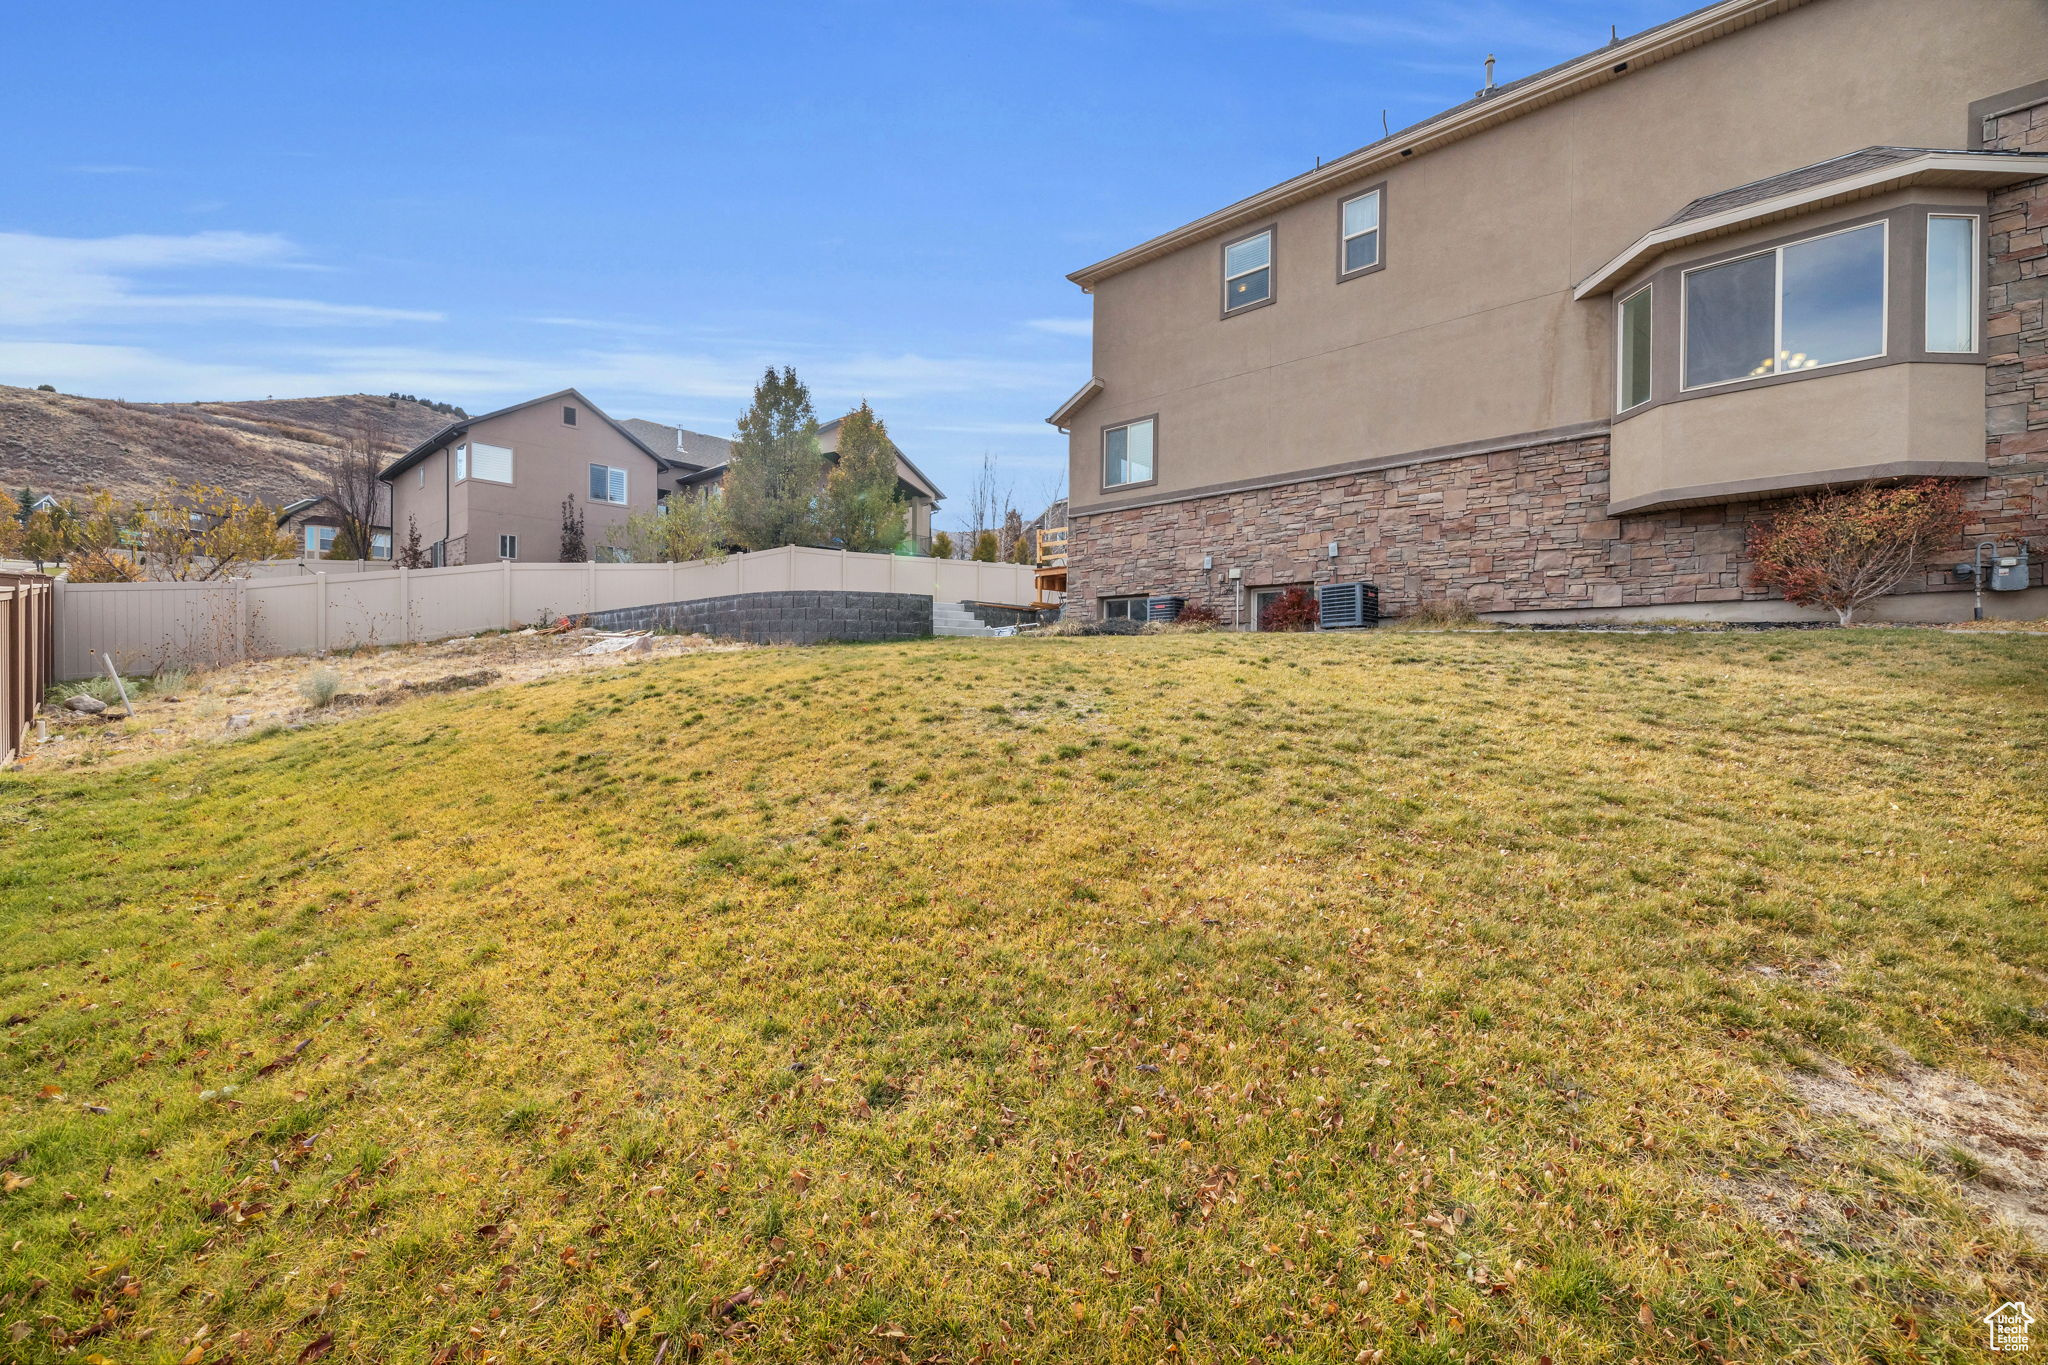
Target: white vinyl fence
[147,626]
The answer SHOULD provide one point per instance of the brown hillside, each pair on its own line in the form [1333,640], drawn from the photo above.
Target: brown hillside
[275,450]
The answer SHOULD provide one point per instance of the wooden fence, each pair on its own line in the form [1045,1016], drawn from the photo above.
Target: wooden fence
[27,654]
[149,626]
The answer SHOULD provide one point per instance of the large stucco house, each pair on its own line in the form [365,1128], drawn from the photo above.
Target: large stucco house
[492,487]
[1556,349]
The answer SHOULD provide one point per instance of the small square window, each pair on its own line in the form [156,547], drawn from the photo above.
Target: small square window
[1248,271]
[1360,234]
[568,416]
[508,547]
[319,541]
[1124,608]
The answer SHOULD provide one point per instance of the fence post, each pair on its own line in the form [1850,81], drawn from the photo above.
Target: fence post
[242,618]
[590,589]
[671,580]
[505,577]
[320,632]
[405,604]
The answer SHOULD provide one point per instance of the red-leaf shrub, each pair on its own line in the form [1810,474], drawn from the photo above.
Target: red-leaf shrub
[1198,614]
[1294,609]
[1840,550]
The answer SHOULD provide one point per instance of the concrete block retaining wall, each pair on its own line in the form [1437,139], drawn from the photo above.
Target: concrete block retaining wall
[784,618]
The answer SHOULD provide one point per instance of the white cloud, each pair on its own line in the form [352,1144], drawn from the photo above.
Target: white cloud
[51,281]
[1063,327]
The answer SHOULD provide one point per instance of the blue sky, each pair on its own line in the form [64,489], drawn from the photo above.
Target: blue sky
[481,202]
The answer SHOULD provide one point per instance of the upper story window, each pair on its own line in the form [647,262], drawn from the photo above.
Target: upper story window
[1360,234]
[1632,365]
[1248,272]
[607,484]
[1127,453]
[1952,282]
[568,415]
[492,464]
[461,463]
[1796,307]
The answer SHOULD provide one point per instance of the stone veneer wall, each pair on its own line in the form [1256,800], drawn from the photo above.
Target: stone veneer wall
[1527,529]
[784,618]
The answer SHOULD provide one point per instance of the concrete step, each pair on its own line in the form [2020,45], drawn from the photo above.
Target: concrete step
[954,619]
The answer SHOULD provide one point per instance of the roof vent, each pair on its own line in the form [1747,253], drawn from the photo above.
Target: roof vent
[1490,86]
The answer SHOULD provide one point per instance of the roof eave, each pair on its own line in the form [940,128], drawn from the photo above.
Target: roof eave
[1066,410]
[1453,125]
[1965,169]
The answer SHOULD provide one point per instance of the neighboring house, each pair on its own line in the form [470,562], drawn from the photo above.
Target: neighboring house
[922,495]
[1558,348]
[685,451]
[491,487]
[312,524]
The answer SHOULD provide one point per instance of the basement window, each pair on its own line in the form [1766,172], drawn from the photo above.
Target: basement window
[1123,608]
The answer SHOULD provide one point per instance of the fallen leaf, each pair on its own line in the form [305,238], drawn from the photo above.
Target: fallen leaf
[317,1347]
[51,1092]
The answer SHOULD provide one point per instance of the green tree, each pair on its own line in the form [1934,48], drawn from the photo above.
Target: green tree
[942,546]
[684,527]
[776,472]
[863,509]
[986,548]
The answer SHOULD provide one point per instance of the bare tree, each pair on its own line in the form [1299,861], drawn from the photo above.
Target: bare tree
[988,497]
[354,487]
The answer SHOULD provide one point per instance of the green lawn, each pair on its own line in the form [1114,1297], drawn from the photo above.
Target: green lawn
[1194,997]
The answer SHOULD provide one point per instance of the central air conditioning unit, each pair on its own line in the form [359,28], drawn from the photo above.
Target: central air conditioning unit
[1164,608]
[1347,606]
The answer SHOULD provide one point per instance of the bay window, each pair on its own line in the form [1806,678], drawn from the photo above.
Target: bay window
[1952,282]
[1633,367]
[1797,307]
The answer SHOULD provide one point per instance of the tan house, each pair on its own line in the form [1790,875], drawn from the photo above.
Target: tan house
[492,487]
[312,525]
[920,494]
[1557,348]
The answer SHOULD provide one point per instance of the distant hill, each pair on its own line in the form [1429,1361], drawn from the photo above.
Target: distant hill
[274,450]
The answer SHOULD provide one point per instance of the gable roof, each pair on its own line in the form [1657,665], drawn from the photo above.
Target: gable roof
[1839,180]
[454,429]
[679,446]
[1485,110]
[380,515]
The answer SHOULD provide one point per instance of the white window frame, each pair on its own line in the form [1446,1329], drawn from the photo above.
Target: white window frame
[1151,473]
[314,549]
[625,485]
[1884,315]
[462,463]
[1143,607]
[380,540]
[1976,222]
[508,546]
[1621,403]
[1228,307]
[1377,230]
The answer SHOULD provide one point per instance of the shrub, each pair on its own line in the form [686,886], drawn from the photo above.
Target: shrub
[319,687]
[169,682]
[1438,614]
[1199,614]
[1840,550]
[1294,609]
[942,546]
[101,566]
[985,548]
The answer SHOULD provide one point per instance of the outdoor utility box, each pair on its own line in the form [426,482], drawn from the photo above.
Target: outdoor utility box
[2008,573]
[1347,606]
[1164,608]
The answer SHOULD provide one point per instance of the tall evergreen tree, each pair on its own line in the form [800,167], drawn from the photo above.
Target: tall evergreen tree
[863,510]
[776,474]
